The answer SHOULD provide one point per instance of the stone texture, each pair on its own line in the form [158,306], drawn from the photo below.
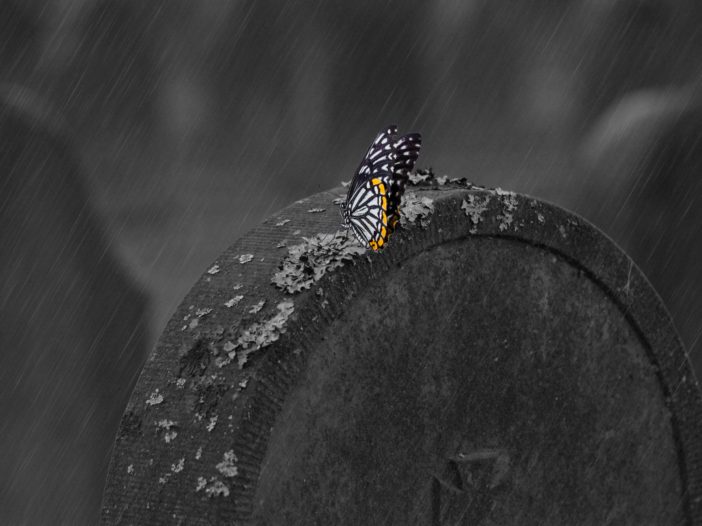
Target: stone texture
[501,361]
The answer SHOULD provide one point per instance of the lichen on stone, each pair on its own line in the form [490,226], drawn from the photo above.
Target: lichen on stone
[421,176]
[213,488]
[245,258]
[201,483]
[307,262]
[212,423]
[416,209]
[166,427]
[155,398]
[228,465]
[202,312]
[509,199]
[463,181]
[177,468]
[509,202]
[506,220]
[474,208]
[233,301]
[257,307]
[261,334]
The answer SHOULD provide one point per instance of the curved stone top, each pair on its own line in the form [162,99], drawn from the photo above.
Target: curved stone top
[287,385]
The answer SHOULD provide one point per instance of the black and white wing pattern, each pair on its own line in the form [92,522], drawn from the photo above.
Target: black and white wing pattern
[406,153]
[372,207]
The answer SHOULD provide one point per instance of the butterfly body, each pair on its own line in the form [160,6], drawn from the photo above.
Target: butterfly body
[372,206]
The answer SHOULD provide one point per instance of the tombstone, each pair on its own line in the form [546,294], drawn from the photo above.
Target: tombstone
[500,362]
[73,325]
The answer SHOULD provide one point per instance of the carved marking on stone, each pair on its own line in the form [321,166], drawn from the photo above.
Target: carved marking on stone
[462,493]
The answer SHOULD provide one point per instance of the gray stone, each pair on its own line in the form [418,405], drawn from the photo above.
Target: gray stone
[500,362]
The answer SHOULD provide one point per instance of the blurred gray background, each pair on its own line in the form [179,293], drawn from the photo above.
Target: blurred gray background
[189,122]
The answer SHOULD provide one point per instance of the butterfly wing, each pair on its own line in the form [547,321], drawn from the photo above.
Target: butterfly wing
[378,159]
[372,207]
[405,154]
[367,213]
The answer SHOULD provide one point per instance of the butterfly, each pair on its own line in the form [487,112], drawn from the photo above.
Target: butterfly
[372,206]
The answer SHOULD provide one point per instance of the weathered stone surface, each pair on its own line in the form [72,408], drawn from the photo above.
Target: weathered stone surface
[500,362]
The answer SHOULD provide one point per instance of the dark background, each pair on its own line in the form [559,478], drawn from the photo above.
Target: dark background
[190,122]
